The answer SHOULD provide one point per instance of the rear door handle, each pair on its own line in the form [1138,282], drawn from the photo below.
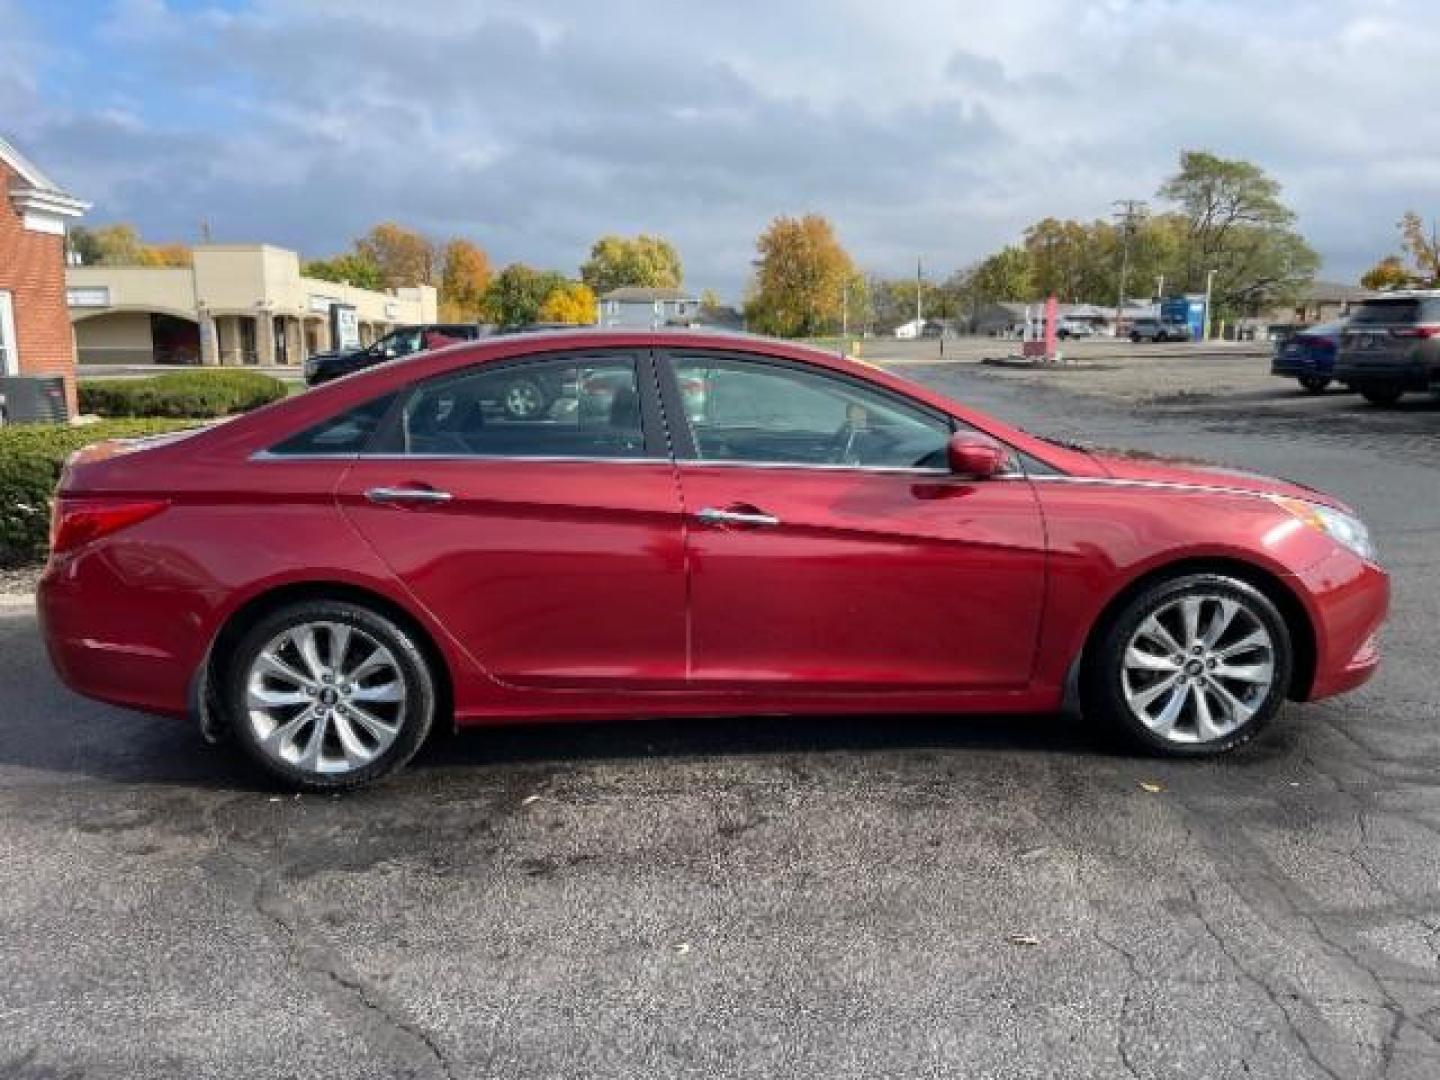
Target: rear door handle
[406,494]
[711,515]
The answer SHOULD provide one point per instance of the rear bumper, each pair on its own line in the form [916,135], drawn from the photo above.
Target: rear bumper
[104,644]
[1348,599]
[1407,374]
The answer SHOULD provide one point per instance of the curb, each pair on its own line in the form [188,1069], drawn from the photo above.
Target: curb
[12,600]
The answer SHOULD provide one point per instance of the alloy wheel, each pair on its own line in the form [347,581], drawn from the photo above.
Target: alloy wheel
[325,698]
[1198,668]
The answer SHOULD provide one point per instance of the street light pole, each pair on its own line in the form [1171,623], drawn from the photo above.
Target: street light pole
[1209,289]
[1128,212]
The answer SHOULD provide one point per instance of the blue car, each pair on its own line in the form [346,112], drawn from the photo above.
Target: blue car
[1309,356]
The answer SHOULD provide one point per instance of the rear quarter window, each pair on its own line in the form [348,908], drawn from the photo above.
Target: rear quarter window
[348,432]
[1386,312]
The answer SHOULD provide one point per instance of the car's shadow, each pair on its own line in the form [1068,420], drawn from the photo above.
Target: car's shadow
[123,747]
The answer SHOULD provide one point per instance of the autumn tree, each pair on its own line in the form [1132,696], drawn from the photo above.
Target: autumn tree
[351,268]
[120,245]
[404,256]
[800,278]
[464,277]
[1389,273]
[1006,275]
[1423,247]
[572,303]
[617,261]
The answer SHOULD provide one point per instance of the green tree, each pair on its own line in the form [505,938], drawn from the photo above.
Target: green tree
[1006,275]
[516,294]
[800,278]
[348,269]
[404,256]
[1237,227]
[646,261]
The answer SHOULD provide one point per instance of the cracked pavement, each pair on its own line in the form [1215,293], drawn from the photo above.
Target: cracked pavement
[970,897]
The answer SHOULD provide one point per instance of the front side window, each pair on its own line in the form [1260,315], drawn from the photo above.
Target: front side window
[566,407]
[781,414]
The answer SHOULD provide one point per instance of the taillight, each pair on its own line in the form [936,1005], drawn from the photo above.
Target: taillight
[75,522]
[1430,330]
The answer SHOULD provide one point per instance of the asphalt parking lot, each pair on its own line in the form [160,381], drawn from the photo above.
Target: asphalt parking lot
[972,897]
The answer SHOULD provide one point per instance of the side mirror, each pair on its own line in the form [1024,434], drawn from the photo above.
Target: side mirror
[974,455]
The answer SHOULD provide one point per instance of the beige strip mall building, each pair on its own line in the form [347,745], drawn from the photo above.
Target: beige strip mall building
[238,304]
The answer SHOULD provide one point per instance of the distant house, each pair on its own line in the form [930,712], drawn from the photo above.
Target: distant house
[718,317]
[645,308]
[1320,302]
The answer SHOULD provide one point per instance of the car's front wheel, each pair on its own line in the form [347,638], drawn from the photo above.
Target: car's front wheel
[326,695]
[1315,384]
[1383,394]
[1191,666]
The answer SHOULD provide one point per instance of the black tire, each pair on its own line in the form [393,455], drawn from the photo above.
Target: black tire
[525,398]
[413,716]
[1103,677]
[1135,339]
[1381,394]
[1314,384]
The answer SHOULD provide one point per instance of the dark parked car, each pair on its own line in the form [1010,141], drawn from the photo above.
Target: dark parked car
[713,524]
[1391,345]
[402,341]
[1156,330]
[1309,356]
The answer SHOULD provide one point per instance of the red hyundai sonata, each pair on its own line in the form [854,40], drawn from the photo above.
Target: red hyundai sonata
[693,525]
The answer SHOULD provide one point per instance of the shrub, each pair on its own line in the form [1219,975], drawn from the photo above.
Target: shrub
[31,457]
[181,394]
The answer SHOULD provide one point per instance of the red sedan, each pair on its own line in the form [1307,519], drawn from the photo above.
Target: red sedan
[695,525]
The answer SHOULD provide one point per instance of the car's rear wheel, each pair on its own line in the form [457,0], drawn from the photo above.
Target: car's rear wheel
[326,695]
[1383,394]
[1191,666]
[1315,384]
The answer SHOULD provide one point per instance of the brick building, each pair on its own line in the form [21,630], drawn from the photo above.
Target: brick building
[35,334]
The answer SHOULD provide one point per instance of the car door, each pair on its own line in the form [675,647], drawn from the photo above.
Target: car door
[829,546]
[550,547]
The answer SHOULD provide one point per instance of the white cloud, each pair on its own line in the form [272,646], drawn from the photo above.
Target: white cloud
[929,127]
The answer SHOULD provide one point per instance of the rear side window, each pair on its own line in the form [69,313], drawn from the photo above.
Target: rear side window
[575,406]
[348,432]
[1397,312]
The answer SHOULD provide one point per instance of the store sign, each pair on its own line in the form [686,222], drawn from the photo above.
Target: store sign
[322,304]
[88,296]
[344,326]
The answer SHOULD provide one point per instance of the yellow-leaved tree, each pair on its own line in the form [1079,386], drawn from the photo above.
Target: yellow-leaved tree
[800,278]
[572,303]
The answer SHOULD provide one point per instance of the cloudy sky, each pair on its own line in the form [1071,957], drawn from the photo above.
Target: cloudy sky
[936,128]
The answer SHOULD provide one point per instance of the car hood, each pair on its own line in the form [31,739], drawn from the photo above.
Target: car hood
[1147,469]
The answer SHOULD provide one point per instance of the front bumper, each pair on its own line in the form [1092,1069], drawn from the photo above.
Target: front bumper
[1347,599]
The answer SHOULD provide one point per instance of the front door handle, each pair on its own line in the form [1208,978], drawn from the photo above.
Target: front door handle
[406,494]
[711,515]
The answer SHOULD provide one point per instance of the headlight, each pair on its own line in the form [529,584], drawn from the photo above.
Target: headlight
[1348,531]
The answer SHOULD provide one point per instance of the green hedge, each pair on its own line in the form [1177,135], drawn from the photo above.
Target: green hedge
[31,457]
[181,394]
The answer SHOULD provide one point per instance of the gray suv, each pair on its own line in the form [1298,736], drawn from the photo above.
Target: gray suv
[1148,329]
[1392,345]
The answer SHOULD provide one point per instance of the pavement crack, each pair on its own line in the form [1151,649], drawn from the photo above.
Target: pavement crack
[318,960]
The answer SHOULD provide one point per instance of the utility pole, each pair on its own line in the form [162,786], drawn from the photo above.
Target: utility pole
[1128,212]
[919,278]
[844,314]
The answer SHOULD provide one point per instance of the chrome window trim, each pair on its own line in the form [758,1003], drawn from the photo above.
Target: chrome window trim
[266,455]
[907,470]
